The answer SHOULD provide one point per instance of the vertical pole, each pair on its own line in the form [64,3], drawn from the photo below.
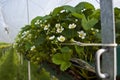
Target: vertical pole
[29,73]
[108,36]
[29,70]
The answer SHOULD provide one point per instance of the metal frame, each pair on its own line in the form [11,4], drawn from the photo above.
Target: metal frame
[108,36]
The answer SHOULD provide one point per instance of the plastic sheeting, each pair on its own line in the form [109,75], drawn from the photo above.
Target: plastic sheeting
[14,13]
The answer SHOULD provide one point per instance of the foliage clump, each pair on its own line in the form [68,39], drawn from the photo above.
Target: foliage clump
[47,38]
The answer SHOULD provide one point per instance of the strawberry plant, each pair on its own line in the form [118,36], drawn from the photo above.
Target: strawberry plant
[44,39]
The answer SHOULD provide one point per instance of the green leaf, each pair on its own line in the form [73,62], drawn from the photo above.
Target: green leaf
[46,17]
[79,49]
[57,10]
[67,56]
[88,24]
[84,5]
[69,8]
[65,7]
[28,46]
[44,75]
[95,14]
[62,60]
[80,16]
[69,33]
[57,59]
[40,40]
[65,65]
[117,24]
[87,12]
[66,50]
[34,20]
[117,12]
[27,27]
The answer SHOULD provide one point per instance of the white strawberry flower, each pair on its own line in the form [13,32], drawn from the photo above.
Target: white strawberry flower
[37,22]
[72,26]
[97,30]
[62,11]
[81,34]
[45,21]
[92,29]
[46,27]
[41,21]
[25,32]
[51,37]
[57,25]
[59,30]
[61,38]
[29,35]
[76,20]
[32,48]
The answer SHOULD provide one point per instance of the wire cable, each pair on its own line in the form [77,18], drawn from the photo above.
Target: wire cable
[90,44]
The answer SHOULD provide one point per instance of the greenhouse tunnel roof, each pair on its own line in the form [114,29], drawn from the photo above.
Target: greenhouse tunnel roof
[14,14]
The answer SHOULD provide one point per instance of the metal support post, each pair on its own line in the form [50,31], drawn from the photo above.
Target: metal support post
[108,36]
